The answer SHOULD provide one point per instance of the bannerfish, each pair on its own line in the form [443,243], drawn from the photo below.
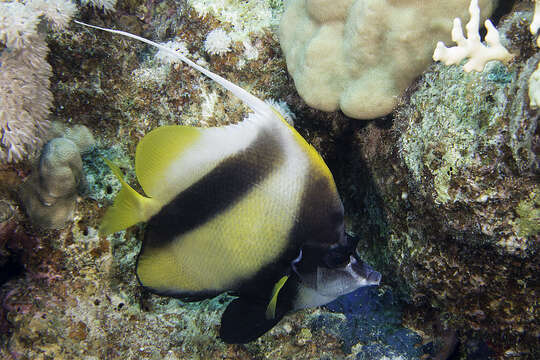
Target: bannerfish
[250,209]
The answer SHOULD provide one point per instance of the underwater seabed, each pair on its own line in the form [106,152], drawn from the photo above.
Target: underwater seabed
[443,194]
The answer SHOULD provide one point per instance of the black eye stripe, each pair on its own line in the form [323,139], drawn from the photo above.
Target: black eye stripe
[336,258]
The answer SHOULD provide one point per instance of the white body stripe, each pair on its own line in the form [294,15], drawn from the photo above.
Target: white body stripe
[213,146]
[217,144]
[253,233]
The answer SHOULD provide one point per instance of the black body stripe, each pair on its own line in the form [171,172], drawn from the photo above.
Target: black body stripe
[221,188]
[321,214]
[320,224]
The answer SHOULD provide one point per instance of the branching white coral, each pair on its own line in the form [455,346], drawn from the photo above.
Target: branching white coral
[25,98]
[471,47]
[535,25]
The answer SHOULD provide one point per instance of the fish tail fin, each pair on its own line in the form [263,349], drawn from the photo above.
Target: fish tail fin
[129,207]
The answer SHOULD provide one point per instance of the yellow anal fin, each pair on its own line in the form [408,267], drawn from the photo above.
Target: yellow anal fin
[271,308]
[129,207]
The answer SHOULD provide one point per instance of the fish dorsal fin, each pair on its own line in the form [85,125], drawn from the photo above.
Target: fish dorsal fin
[271,308]
[254,103]
[129,207]
[262,109]
[157,150]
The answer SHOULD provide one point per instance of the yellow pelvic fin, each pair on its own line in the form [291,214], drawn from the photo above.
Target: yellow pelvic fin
[157,150]
[271,308]
[129,207]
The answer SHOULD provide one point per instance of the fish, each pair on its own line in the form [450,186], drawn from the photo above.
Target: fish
[249,209]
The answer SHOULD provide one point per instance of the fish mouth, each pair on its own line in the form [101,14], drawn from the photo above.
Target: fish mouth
[374,278]
[343,280]
[363,270]
[345,259]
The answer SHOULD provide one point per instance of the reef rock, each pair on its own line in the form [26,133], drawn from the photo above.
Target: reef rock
[451,200]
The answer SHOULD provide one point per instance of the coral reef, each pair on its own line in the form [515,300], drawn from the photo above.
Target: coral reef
[449,198]
[534,89]
[372,326]
[49,195]
[443,195]
[25,99]
[76,295]
[359,56]
[535,23]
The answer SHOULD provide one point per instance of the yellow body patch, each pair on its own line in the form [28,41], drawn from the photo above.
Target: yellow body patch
[229,248]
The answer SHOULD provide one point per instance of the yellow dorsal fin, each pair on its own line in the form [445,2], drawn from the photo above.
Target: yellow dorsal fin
[313,155]
[271,308]
[157,150]
[129,207]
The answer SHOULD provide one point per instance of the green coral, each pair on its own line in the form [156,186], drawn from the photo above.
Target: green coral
[528,211]
[458,132]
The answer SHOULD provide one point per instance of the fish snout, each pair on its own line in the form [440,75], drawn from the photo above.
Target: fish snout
[374,278]
[370,276]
